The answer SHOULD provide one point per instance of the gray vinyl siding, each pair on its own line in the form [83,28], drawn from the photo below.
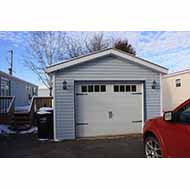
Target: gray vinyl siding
[107,68]
[18,89]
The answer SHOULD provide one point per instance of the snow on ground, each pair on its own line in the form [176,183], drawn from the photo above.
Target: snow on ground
[32,130]
[5,130]
[22,108]
[45,109]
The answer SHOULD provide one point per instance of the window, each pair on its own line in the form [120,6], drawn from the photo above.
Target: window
[93,88]
[29,92]
[97,88]
[122,88]
[5,89]
[134,88]
[183,115]
[128,89]
[83,88]
[178,82]
[90,88]
[116,88]
[125,88]
[34,91]
[103,88]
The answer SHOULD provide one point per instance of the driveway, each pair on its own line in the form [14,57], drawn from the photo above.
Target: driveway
[28,146]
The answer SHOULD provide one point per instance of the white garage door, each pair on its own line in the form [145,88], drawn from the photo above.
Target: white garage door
[108,109]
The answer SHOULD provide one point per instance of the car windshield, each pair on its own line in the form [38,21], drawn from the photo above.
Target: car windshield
[183,115]
[186,108]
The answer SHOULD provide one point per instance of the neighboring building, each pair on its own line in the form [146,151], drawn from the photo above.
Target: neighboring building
[13,86]
[108,92]
[176,89]
[43,92]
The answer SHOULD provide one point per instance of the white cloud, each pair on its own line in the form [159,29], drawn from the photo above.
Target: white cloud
[170,49]
[14,37]
[163,43]
[174,61]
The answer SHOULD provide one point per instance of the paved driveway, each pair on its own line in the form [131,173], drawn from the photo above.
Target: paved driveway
[28,146]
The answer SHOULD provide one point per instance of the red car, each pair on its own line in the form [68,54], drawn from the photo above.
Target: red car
[168,136]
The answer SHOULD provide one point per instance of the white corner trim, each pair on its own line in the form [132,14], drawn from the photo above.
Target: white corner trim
[161,96]
[115,52]
[143,106]
[54,111]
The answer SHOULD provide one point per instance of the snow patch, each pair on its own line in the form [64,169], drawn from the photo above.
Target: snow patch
[43,112]
[5,130]
[32,130]
[46,109]
[43,139]
[22,108]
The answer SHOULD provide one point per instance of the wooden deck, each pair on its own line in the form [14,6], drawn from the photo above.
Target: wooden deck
[6,109]
[21,119]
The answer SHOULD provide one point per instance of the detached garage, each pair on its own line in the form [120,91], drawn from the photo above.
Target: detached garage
[104,93]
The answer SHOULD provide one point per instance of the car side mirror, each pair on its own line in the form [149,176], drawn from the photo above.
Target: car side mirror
[168,116]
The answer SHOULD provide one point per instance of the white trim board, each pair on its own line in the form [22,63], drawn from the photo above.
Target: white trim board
[103,53]
[161,96]
[176,73]
[54,110]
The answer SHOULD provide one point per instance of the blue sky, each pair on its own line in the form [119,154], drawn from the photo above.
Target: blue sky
[169,49]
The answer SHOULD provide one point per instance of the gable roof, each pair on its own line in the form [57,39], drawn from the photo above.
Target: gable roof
[102,53]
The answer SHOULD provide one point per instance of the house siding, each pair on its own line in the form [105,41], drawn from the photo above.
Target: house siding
[110,69]
[18,89]
[177,95]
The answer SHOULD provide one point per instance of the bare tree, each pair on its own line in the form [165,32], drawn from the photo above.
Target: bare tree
[75,46]
[46,48]
[83,44]
[97,42]
[43,49]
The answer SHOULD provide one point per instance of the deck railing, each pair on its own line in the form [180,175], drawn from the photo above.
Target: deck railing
[6,109]
[37,103]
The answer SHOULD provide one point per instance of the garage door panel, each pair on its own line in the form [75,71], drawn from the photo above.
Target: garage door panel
[101,129]
[108,113]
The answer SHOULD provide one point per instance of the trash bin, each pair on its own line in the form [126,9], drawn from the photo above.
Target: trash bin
[45,123]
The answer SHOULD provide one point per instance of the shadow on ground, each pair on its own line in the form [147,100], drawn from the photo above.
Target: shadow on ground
[28,146]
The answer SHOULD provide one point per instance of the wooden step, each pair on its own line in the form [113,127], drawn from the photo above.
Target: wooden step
[5,118]
[22,119]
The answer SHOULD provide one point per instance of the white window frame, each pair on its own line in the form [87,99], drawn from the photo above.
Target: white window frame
[178,82]
[3,90]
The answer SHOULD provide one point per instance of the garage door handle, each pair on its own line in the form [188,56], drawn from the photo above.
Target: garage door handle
[138,121]
[110,114]
[82,123]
